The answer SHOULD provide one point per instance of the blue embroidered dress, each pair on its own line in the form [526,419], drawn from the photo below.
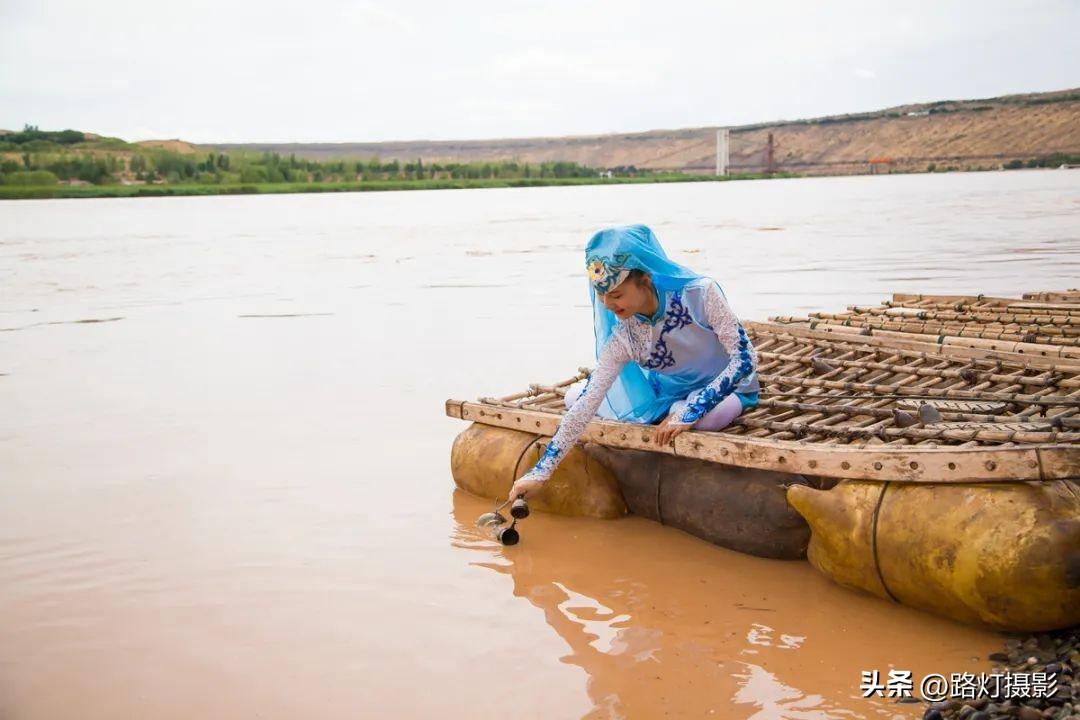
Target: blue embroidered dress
[694,348]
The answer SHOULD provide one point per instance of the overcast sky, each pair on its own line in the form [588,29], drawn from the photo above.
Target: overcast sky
[365,70]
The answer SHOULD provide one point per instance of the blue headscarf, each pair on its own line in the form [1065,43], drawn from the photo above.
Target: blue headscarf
[638,395]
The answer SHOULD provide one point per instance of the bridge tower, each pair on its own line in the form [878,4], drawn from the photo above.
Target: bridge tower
[722,157]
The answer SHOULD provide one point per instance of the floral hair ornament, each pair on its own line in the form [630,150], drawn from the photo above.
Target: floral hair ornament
[604,276]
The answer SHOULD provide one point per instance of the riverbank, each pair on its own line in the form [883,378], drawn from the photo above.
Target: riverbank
[1041,668]
[33,192]
[978,133]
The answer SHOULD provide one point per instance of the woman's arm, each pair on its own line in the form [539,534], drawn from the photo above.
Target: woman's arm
[614,355]
[742,362]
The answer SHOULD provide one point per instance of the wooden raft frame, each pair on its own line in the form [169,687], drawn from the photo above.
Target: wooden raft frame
[831,405]
[1071,295]
[1045,323]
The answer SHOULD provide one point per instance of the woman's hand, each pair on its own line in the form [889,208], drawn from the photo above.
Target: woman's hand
[526,486]
[667,431]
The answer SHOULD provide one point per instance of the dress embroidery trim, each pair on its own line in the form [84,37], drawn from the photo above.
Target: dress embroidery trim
[550,459]
[711,395]
[742,364]
[677,316]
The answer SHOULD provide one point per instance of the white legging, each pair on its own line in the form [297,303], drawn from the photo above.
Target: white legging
[719,417]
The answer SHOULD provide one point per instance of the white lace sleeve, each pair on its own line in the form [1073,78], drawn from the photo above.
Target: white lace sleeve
[614,355]
[743,358]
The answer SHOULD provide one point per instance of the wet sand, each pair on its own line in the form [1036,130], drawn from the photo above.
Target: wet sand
[229,496]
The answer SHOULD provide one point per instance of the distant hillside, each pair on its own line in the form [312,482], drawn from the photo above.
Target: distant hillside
[949,133]
[176,146]
[1035,130]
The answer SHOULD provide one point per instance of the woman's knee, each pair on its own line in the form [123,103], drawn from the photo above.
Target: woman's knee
[722,415]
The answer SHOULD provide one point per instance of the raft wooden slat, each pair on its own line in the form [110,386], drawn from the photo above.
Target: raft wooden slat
[848,406]
[994,317]
[883,462]
[1072,295]
[1059,352]
[954,419]
[1039,356]
[1045,323]
[1019,307]
[870,325]
[1049,333]
[988,301]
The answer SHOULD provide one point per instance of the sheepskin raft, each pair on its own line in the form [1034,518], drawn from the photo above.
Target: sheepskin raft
[938,471]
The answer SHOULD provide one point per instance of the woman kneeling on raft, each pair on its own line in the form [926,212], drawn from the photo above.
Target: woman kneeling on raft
[668,347]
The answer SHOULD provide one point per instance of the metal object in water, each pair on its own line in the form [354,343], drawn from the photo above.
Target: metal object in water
[507,535]
[493,518]
[520,509]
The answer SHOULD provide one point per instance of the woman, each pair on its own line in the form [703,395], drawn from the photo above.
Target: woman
[667,344]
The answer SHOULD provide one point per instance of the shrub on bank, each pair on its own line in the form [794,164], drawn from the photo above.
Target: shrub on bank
[29,177]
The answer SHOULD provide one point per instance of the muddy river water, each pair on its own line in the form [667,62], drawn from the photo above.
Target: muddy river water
[224,460]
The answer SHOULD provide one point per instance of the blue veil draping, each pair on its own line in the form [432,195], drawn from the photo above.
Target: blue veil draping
[638,394]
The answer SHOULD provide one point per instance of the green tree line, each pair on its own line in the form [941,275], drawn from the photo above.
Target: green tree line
[37,157]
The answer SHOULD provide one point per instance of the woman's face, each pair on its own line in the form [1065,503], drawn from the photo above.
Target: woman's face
[633,295]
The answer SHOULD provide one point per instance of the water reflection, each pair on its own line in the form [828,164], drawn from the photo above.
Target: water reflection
[676,636]
[774,699]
